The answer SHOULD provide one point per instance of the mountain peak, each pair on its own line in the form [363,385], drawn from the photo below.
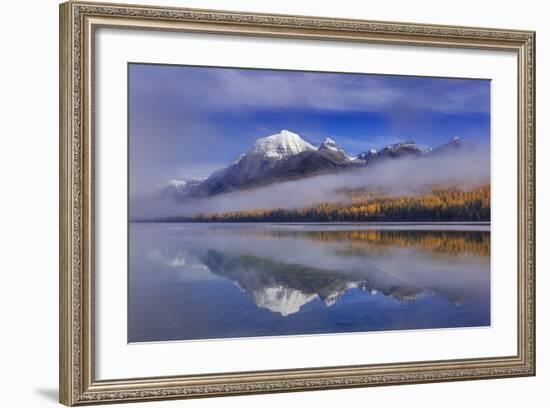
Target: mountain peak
[366,156]
[176,183]
[285,132]
[286,156]
[176,188]
[330,144]
[400,149]
[280,145]
[456,144]
[402,144]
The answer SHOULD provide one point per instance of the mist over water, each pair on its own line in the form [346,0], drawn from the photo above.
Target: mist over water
[406,176]
[203,281]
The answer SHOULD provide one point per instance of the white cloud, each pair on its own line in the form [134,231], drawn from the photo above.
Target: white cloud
[242,89]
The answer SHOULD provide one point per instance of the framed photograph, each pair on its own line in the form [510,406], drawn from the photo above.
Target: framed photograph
[256,203]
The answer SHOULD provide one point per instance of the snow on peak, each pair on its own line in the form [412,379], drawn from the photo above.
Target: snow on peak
[177,186]
[366,156]
[242,156]
[281,145]
[176,183]
[456,141]
[171,185]
[330,144]
[183,183]
[407,143]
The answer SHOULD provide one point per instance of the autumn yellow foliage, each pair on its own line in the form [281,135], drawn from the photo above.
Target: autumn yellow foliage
[440,204]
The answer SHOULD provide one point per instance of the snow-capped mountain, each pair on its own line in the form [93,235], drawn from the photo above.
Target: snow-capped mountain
[278,157]
[398,150]
[175,185]
[365,156]
[280,146]
[456,144]
[330,144]
[287,156]
[177,189]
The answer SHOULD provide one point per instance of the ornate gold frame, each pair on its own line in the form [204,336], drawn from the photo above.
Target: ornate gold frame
[78,22]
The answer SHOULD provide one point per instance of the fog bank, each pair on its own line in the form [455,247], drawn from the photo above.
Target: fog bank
[406,176]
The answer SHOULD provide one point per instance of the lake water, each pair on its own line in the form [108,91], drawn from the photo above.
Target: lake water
[205,281]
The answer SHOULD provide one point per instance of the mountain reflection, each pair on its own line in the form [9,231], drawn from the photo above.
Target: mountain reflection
[211,281]
[284,288]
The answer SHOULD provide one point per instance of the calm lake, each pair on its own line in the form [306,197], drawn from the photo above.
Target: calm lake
[205,281]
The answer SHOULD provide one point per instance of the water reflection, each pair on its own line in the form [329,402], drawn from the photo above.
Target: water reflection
[196,281]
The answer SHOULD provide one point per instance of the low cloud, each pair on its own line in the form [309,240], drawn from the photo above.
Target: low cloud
[397,177]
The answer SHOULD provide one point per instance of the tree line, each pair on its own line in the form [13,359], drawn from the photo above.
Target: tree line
[441,204]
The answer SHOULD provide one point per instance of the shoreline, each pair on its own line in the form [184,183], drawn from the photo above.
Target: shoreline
[463,223]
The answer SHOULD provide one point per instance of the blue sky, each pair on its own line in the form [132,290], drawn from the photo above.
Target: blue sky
[188,121]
